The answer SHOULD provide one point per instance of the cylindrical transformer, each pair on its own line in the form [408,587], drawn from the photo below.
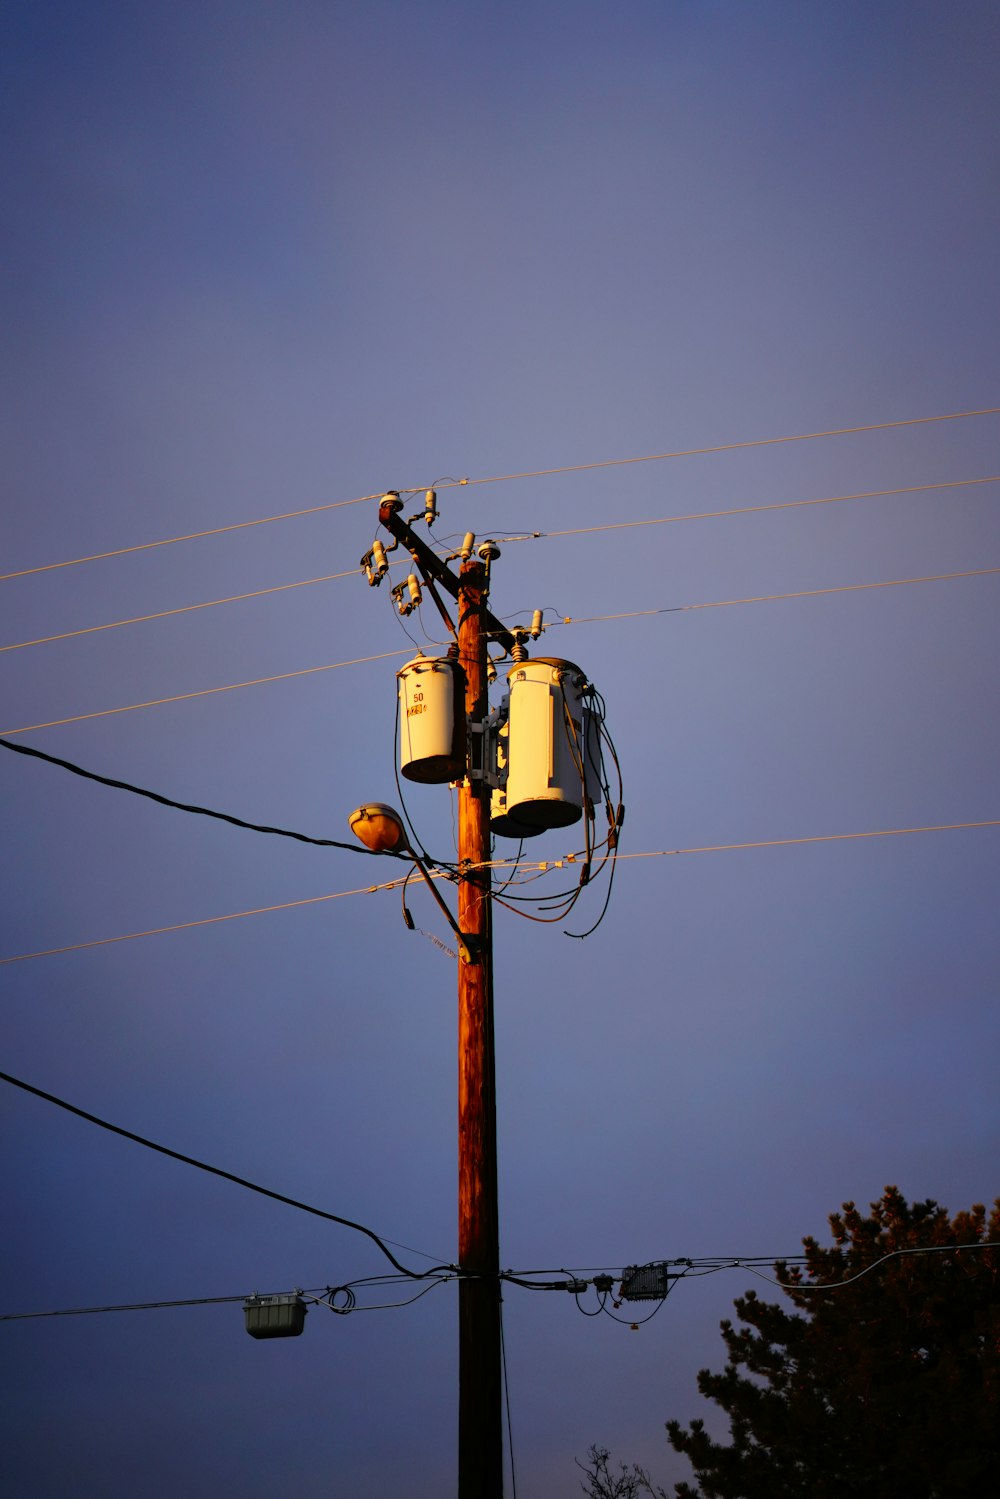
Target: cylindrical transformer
[548,750]
[432,737]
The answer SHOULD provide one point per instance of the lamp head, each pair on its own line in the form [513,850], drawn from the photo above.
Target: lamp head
[379,827]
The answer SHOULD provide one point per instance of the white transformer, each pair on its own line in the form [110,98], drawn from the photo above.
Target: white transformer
[548,749]
[432,731]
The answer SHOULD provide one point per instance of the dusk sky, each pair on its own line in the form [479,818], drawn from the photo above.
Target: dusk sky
[264,258]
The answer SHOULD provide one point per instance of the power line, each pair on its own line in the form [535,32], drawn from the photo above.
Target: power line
[167,801]
[829,499]
[566,620]
[692,1269]
[724,447]
[542,866]
[141,619]
[319,1295]
[183,697]
[239,1181]
[184,926]
[837,1285]
[718,848]
[763,598]
[133,1306]
[540,473]
[665,520]
[169,541]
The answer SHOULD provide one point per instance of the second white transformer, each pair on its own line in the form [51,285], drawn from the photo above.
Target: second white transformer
[548,751]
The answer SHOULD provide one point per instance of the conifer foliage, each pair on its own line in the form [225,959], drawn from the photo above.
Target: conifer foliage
[887,1385]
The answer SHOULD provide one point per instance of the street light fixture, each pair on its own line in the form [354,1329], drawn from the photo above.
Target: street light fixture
[380,828]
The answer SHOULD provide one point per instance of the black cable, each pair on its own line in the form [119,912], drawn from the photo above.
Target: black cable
[604,909]
[391,1306]
[240,1181]
[601,1303]
[506,1397]
[633,1322]
[167,801]
[514,863]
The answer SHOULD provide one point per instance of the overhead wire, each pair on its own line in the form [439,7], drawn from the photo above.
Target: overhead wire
[183,697]
[723,447]
[671,520]
[180,697]
[141,619]
[718,848]
[836,1285]
[664,520]
[133,1306]
[312,1295]
[168,801]
[763,598]
[239,1181]
[186,926]
[387,1306]
[692,1268]
[540,865]
[168,541]
[573,468]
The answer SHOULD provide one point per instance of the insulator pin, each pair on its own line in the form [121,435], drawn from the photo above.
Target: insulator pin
[412,587]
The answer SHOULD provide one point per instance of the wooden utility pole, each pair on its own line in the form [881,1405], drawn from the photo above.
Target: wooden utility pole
[480,1444]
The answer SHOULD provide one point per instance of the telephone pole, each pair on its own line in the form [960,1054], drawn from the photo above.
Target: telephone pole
[480,1448]
[560,772]
[480,1437]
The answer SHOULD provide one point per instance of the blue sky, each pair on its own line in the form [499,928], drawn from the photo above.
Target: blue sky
[261,258]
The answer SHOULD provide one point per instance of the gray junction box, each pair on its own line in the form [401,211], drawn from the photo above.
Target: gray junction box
[645,1282]
[274,1316]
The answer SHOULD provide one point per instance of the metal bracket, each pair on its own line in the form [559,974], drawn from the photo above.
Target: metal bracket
[483,750]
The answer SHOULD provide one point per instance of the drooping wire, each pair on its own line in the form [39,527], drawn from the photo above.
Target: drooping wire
[635,1322]
[168,801]
[499,890]
[239,1181]
[389,1306]
[615,811]
[602,1299]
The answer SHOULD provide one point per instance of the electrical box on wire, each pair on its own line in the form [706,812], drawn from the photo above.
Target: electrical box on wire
[548,749]
[432,730]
